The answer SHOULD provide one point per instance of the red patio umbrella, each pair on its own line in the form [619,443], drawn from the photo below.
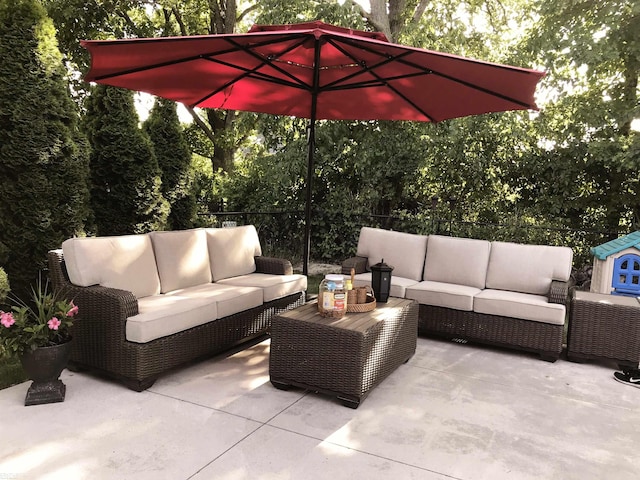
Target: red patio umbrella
[312,70]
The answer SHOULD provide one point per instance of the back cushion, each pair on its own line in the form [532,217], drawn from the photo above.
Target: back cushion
[527,268]
[182,257]
[232,251]
[405,252]
[461,261]
[125,262]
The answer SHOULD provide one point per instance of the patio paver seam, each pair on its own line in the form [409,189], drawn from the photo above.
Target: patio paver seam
[364,452]
[261,425]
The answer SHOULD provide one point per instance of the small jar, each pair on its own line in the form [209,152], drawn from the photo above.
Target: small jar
[332,296]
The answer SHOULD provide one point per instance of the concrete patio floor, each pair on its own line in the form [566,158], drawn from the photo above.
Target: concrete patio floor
[452,412]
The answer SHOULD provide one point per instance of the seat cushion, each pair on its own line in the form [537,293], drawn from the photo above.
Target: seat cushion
[232,251]
[405,252]
[182,257]
[459,261]
[398,284]
[272,286]
[527,268]
[229,299]
[163,315]
[519,305]
[439,294]
[125,262]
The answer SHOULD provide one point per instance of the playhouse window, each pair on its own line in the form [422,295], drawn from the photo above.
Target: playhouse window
[626,275]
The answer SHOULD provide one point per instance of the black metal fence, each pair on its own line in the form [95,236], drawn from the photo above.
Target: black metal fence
[282,233]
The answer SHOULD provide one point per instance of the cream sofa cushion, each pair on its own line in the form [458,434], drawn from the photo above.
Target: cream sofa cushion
[272,286]
[448,295]
[232,251]
[527,268]
[229,299]
[162,315]
[459,261]
[182,257]
[125,262]
[405,252]
[398,284]
[519,305]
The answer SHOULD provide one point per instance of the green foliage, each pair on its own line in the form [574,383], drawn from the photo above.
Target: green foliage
[571,166]
[174,159]
[4,286]
[585,144]
[125,179]
[43,157]
[337,13]
[44,321]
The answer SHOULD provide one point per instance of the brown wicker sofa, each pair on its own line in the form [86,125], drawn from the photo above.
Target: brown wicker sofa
[497,293]
[149,303]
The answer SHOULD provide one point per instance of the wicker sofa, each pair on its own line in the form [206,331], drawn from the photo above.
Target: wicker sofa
[498,293]
[151,302]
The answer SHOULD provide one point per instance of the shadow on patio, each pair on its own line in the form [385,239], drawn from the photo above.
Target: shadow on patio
[453,411]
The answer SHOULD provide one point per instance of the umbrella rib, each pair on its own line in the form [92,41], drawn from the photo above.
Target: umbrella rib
[206,56]
[247,73]
[449,77]
[484,90]
[270,59]
[365,68]
[253,72]
[389,59]
[372,83]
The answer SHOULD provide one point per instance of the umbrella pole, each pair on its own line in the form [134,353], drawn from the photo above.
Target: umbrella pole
[307,209]
[310,154]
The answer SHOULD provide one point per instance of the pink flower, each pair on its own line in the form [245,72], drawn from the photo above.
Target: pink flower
[73,310]
[54,323]
[7,319]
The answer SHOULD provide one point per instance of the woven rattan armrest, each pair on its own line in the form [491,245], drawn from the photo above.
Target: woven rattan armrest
[97,305]
[558,292]
[273,266]
[359,264]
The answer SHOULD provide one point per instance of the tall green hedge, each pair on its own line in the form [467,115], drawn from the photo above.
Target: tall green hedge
[125,179]
[43,157]
[174,159]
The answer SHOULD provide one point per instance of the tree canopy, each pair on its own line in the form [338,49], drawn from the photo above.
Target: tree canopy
[43,156]
[573,164]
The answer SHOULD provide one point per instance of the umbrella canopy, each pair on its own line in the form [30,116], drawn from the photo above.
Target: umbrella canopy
[312,70]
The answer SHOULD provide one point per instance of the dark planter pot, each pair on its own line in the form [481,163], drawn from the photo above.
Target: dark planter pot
[44,365]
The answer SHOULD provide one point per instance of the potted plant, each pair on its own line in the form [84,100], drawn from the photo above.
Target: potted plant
[38,333]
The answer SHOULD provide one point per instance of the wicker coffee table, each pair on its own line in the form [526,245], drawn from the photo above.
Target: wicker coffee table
[604,327]
[343,357]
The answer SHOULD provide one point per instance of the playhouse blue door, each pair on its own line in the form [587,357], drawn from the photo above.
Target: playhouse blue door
[626,275]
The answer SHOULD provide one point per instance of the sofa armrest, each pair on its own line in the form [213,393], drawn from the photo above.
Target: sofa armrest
[273,266]
[558,292]
[104,309]
[359,264]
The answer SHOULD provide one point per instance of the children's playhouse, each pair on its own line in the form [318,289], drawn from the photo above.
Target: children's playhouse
[616,266]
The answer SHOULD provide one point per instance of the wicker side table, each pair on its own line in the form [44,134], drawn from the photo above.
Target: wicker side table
[343,357]
[604,327]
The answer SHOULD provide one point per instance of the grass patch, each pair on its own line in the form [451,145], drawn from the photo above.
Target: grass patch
[11,372]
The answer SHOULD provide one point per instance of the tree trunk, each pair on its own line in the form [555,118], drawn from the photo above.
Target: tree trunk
[221,122]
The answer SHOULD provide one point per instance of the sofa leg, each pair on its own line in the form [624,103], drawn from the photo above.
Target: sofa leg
[280,385]
[549,356]
[138,385]
[576,358]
